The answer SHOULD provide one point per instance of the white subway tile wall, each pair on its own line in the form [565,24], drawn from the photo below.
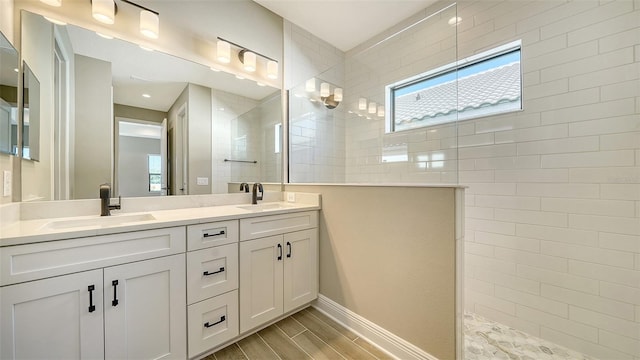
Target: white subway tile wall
[553,205]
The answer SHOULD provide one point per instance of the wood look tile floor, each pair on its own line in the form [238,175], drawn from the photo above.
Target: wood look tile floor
[308,334]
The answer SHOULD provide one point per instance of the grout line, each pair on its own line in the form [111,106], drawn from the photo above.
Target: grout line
[242,351]
[294,343]
[269,346]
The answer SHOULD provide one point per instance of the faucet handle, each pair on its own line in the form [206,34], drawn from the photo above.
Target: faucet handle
[117,206]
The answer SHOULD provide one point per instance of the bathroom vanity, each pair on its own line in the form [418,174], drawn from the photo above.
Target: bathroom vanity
[168,284]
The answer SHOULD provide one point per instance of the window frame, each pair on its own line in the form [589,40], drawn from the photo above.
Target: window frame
[441,70]
[149,173]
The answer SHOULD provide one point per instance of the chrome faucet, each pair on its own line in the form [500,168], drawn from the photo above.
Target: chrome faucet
[254,194]
[245,187]
[105,198]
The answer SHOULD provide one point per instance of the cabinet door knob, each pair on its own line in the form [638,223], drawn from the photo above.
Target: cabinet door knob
[206,273]
[288,249]
[279,252]
[222,319]
[114,283]
[92,307]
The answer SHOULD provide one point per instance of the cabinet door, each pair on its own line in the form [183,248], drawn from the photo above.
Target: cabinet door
[53,318]
[145,309]
[300,268]
[260,281]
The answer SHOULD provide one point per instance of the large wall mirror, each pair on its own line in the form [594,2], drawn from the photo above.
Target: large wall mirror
[149,123]
[9,73]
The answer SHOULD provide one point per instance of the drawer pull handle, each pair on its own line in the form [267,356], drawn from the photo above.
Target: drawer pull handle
[221,232]
[92,307]
[222,319]
[114,283]
[279,252]
[288,249]
[207,273]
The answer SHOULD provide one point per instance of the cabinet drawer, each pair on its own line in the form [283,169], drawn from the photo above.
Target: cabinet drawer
[36,261]
[212,322]
[211,272]
[211,234]
[253,228]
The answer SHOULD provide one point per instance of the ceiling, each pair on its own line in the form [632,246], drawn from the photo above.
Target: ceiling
[345,23]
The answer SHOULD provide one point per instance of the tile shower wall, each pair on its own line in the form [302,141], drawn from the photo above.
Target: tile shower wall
[553,205]
[226,109]
[317,141]
[553,210]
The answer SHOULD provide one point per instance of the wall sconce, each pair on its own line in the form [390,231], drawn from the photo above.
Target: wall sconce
[372,108]
[362,104]
[324,89]
[310,85]
[248,60]
[104,11]
[149,24]
[223,51]
[55,3]
[247,57]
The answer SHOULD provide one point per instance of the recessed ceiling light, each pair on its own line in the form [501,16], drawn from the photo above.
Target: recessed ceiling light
[214,69]
[221,109]
[146,96]
[145,48]
[239,77]
[16,70]
[259,83]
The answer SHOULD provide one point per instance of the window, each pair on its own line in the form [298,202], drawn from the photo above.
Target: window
[155,173]
[278,137]
[485,84]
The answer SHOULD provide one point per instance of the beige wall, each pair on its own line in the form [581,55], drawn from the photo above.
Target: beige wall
[388,254]
[94,126]
[132,112]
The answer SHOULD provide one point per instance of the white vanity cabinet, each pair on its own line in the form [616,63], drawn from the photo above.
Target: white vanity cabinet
[112,296]
[279,271]
[212,285]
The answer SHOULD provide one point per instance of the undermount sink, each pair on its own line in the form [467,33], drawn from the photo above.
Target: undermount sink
[265,207]
[100,221]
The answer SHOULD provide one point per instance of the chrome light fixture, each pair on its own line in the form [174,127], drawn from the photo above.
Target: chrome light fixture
[248,58]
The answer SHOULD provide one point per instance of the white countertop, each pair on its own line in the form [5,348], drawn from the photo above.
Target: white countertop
[38,230]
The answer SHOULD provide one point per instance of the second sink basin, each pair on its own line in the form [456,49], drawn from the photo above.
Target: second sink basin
[265,207]
[99,221]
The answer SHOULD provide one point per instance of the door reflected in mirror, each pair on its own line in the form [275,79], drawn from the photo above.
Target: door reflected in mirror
[204,112]
[9,73]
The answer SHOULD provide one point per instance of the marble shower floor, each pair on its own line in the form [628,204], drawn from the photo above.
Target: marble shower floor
[488,340]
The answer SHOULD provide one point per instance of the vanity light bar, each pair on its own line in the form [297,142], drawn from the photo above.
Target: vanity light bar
[246,56]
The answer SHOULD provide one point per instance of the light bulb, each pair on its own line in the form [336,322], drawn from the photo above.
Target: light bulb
[103,11]
[149,24]
[224,51]
[380,110]
[272,69]
[324,89]
[249,61]
[310,85]
[362,104]
[337,94]
[372,108]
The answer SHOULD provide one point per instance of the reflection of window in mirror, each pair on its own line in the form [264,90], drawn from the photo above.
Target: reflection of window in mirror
[278,137]
[155,173]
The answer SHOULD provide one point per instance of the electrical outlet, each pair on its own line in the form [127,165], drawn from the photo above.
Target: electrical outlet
[291,197]
[6,187]
[202,181]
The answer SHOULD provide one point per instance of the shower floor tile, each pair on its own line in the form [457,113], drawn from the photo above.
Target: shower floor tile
[488,340]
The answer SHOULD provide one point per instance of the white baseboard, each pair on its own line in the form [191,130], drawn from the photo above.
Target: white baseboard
[385,340]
